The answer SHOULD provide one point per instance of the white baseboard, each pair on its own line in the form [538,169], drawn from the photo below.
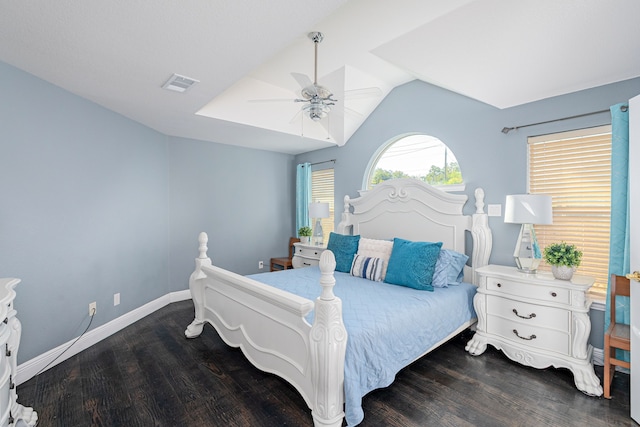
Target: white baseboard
[31,368]
[598,356]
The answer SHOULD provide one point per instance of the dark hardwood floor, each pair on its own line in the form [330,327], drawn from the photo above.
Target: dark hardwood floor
[150,375]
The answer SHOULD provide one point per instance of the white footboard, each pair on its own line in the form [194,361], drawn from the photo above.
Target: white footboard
[269,325]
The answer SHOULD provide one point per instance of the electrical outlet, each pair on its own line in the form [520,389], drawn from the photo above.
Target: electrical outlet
[92,308]
[260,265]
[116,299]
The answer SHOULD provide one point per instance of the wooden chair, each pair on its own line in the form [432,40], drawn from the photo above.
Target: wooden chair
[616,336]
[284,263]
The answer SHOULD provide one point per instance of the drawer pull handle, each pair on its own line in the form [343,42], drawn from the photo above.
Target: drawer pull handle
[499,285]
[553,294]
[531,337]
[531,316]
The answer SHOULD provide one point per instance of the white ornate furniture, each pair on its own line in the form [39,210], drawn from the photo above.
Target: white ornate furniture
[306,255]
[536,320]
[269,324]
[10,330]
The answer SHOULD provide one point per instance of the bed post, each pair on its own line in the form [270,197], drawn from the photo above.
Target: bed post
[481,234]
[345,220]
[328,343]
[196,287]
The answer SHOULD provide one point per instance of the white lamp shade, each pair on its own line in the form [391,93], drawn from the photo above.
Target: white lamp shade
[318,210]
[528,209]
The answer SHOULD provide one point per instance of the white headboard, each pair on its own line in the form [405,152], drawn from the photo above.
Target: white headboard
[413,210]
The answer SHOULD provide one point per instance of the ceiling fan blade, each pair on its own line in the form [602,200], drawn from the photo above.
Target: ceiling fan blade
[366,92]
[253,101]
[308,88]
[295,117]
[302,79]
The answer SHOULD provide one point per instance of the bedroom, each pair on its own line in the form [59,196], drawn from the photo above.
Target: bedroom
[98,204]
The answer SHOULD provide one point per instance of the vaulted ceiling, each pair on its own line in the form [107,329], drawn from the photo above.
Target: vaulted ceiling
[119,53]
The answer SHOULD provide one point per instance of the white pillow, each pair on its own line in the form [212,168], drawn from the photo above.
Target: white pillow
[367,267]
[375,248]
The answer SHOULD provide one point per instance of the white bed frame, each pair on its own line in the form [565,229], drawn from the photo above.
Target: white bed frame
[269,324]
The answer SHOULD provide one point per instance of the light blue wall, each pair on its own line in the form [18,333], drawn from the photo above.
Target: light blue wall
[244,199]
[92,203]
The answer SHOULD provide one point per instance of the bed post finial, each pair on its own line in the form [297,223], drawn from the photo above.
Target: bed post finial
[327,280]
[328,345]
[479,193]
[481,234]
[202,248]
[344,220]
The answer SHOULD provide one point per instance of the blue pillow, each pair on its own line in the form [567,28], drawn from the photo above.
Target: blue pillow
[412,264]
[367,267]
[449,268]
[344,248]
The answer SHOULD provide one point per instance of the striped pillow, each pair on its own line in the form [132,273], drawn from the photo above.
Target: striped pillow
[367,267]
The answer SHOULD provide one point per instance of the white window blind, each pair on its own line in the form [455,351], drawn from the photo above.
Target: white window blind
[322,191]
[575,169]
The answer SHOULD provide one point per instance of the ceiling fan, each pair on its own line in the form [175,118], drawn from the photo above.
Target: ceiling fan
[319,98]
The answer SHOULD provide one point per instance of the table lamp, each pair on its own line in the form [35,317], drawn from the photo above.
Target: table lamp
[528,209]
[318,211]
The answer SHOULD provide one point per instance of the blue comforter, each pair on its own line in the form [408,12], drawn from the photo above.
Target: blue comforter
[389,326]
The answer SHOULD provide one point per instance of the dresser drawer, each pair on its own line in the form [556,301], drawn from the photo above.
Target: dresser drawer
[309,252]
[529,291]
[529,314]
[301,262]
[531,336]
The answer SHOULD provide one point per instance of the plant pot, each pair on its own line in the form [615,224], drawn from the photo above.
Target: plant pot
[304,239]
[562,272]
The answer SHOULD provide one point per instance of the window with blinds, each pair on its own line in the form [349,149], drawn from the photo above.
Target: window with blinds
[575,169]
[322,191]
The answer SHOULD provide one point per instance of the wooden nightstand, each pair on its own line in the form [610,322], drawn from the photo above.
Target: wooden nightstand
[306,255]
[536,320]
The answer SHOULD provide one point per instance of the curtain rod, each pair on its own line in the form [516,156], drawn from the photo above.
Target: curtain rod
[319,163]
[506,130]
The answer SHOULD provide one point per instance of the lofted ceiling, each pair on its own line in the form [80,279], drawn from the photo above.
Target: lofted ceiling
[504,53]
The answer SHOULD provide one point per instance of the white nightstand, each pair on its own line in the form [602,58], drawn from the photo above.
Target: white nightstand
[306,255]
[536,320]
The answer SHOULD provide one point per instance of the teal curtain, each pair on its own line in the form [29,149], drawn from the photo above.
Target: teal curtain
[619,251]
[303,195]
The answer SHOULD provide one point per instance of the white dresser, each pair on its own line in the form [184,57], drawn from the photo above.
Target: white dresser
[536,320]
[306,255]
[10,330]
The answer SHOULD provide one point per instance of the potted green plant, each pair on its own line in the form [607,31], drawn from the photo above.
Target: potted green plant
[563,258]
[305,233]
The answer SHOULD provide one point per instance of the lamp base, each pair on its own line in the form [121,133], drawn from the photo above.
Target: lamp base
[318,235]
[527,254]
[527,265]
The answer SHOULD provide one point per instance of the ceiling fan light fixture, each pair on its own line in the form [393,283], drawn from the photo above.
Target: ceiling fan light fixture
[317,111]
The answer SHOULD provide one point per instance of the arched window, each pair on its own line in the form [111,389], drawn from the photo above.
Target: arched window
[417,156]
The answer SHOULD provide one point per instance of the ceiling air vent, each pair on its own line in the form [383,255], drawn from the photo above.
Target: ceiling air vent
[178,83]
